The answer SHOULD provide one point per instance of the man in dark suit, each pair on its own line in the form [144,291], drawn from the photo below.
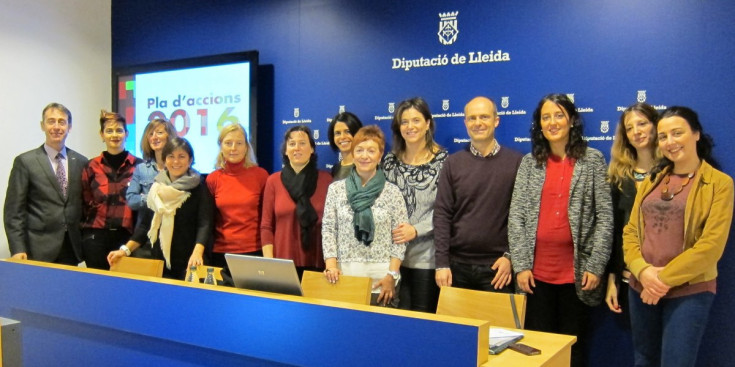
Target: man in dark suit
[43,204]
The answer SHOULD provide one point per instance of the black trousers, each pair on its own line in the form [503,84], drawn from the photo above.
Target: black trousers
[67,255]
[418,290]
[97,244]
[555,308]
[477,277]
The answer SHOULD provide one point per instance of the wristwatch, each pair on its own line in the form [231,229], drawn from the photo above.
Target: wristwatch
[396,275]
[125,249]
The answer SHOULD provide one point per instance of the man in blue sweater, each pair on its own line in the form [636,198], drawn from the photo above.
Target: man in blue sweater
[472,203]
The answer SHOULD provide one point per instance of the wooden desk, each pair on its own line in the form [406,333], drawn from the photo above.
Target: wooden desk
[556,351]
[76,316]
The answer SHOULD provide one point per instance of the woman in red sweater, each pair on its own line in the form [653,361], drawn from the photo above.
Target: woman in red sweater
[293,204]
[237,187]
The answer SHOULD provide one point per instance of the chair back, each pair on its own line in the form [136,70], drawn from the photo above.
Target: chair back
[347,289]
[491,306]
[135,265]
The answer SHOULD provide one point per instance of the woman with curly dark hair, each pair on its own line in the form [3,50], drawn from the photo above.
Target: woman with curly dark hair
[676,235]
[560,224]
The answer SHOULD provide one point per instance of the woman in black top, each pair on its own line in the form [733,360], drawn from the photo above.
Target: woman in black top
[178,220]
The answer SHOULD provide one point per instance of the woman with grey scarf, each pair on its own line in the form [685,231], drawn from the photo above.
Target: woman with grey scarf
[178,220]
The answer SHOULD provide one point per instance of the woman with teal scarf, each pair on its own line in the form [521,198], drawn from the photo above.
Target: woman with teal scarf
[359,214]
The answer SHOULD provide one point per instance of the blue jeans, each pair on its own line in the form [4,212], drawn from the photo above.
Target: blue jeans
[669,333]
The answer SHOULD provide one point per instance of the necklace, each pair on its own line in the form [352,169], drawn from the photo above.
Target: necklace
[667,195]
[640,176]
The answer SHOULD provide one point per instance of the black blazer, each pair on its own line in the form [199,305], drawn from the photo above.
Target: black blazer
[36,214]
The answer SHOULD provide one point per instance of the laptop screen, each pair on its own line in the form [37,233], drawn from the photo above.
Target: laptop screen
[264,274]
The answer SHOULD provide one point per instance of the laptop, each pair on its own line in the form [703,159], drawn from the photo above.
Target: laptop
[264,274]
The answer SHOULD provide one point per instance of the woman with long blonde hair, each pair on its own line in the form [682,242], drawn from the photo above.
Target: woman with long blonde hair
[632,158]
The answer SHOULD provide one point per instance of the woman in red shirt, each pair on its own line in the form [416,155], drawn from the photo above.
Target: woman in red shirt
[560,224]
[293,204]
[237,188]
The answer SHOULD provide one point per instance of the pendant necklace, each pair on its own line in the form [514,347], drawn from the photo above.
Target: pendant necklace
[667,195]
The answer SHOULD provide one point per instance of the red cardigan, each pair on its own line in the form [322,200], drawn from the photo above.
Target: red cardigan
[280,227]
[237,193]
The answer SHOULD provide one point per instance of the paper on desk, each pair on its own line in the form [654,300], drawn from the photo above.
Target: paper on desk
[499,336]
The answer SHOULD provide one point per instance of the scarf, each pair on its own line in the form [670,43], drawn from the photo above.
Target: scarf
[301,187]
[361,199]
[164,198]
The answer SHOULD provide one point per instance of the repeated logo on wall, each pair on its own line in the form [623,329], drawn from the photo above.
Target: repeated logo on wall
[505,109]
[297,120]
[604,126]
[504,104]
[641,96]
[391,109]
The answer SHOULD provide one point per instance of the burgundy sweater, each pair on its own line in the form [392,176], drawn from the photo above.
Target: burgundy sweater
[471,209]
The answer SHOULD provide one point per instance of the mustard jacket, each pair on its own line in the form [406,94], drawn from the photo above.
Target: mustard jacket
[707,219]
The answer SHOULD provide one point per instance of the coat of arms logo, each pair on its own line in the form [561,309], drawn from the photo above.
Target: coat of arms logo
[448,30]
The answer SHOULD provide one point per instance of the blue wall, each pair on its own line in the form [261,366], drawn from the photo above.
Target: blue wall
[322,54]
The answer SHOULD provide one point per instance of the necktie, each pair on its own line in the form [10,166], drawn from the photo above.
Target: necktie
[61,173]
